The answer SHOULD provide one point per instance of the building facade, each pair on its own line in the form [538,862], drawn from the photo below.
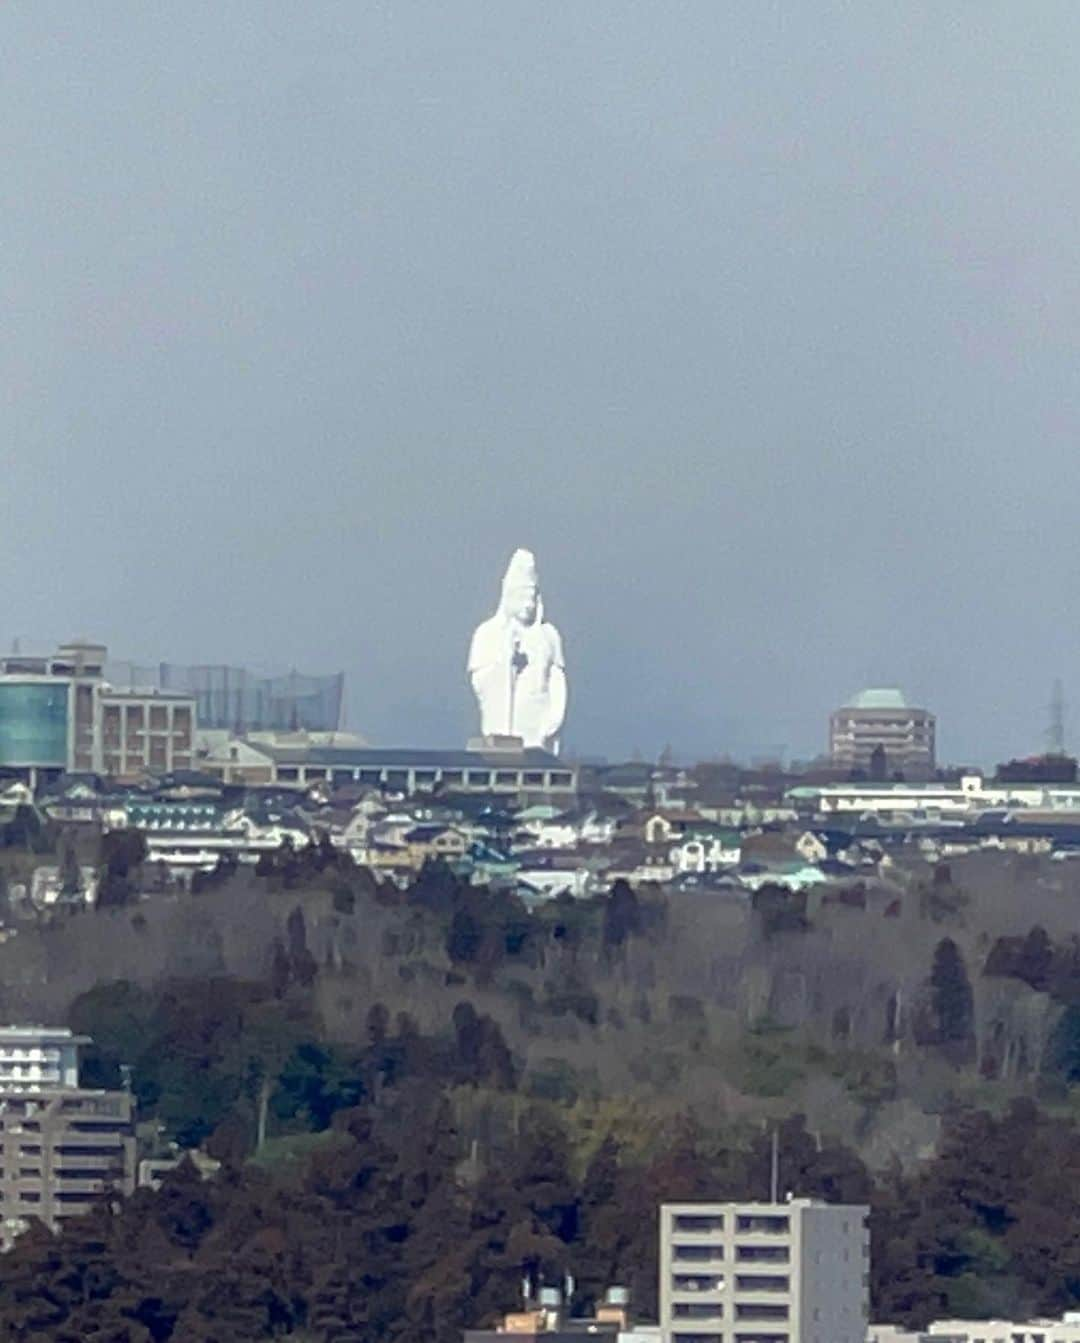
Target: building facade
[523,774]
[59,715]
[36,1058]
[145,731]
[792,1272]
[879,733]
[61,1145]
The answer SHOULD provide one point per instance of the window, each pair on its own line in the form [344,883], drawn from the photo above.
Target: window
[761,1282]
[762,1254]
[763,1223]
[694,1310]
[699,1223]
[697,1254]
[760,1311]
[697,1282]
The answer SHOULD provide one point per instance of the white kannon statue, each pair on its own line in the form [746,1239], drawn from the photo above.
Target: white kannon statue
[516,663]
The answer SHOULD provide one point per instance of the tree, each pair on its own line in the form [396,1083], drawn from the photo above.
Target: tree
[952,1003]
[622,916]
[122,855]
[464,938]
[71,884]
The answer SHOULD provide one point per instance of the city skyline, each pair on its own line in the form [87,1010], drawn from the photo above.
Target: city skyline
[756,327]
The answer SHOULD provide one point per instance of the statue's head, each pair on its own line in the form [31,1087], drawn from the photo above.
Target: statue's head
[520,589]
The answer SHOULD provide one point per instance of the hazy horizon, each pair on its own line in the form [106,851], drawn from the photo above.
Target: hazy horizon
[752,321]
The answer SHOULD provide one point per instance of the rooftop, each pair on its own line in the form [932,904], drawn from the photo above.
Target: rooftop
[879,698]
[408,758]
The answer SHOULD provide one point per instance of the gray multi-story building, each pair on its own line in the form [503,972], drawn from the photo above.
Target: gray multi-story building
[792,1272]
[880,729]
[61,1145]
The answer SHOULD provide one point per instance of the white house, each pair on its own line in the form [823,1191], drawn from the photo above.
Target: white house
[707,852]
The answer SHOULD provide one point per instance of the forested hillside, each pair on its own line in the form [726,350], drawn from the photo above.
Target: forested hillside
[414,1094]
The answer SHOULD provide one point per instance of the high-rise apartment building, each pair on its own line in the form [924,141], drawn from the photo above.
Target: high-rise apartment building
[61,1145]
[878,732]
[792,1272]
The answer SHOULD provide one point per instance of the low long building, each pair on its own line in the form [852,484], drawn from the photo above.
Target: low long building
[522,774]
[1063,1330]
[930,801]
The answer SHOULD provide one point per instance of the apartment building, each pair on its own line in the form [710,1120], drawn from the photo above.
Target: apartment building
[791,1272]
[61,1145]
[879,732]
[33,1058]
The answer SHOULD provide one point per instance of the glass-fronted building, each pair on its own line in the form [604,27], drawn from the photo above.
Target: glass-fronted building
[35,723]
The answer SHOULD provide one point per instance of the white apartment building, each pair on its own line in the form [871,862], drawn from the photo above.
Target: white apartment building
[38,1058]
[792,1272]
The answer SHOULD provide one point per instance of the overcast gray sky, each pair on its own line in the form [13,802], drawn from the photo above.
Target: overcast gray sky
[759,323]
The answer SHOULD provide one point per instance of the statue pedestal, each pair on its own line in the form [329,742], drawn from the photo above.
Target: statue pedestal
[513,745]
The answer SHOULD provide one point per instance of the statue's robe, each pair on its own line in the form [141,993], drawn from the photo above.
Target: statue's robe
[516,700]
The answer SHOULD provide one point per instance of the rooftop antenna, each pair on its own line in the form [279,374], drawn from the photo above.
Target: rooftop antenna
[1055,732]
[774,1168]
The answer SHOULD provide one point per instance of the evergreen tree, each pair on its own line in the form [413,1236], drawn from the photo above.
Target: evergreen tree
[952,1003]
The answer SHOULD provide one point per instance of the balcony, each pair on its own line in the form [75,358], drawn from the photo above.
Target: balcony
[691,1254]
[688,1286]
[698,1311]
[763,1224]
[754,1284]
[701,1224]
[758,1311]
